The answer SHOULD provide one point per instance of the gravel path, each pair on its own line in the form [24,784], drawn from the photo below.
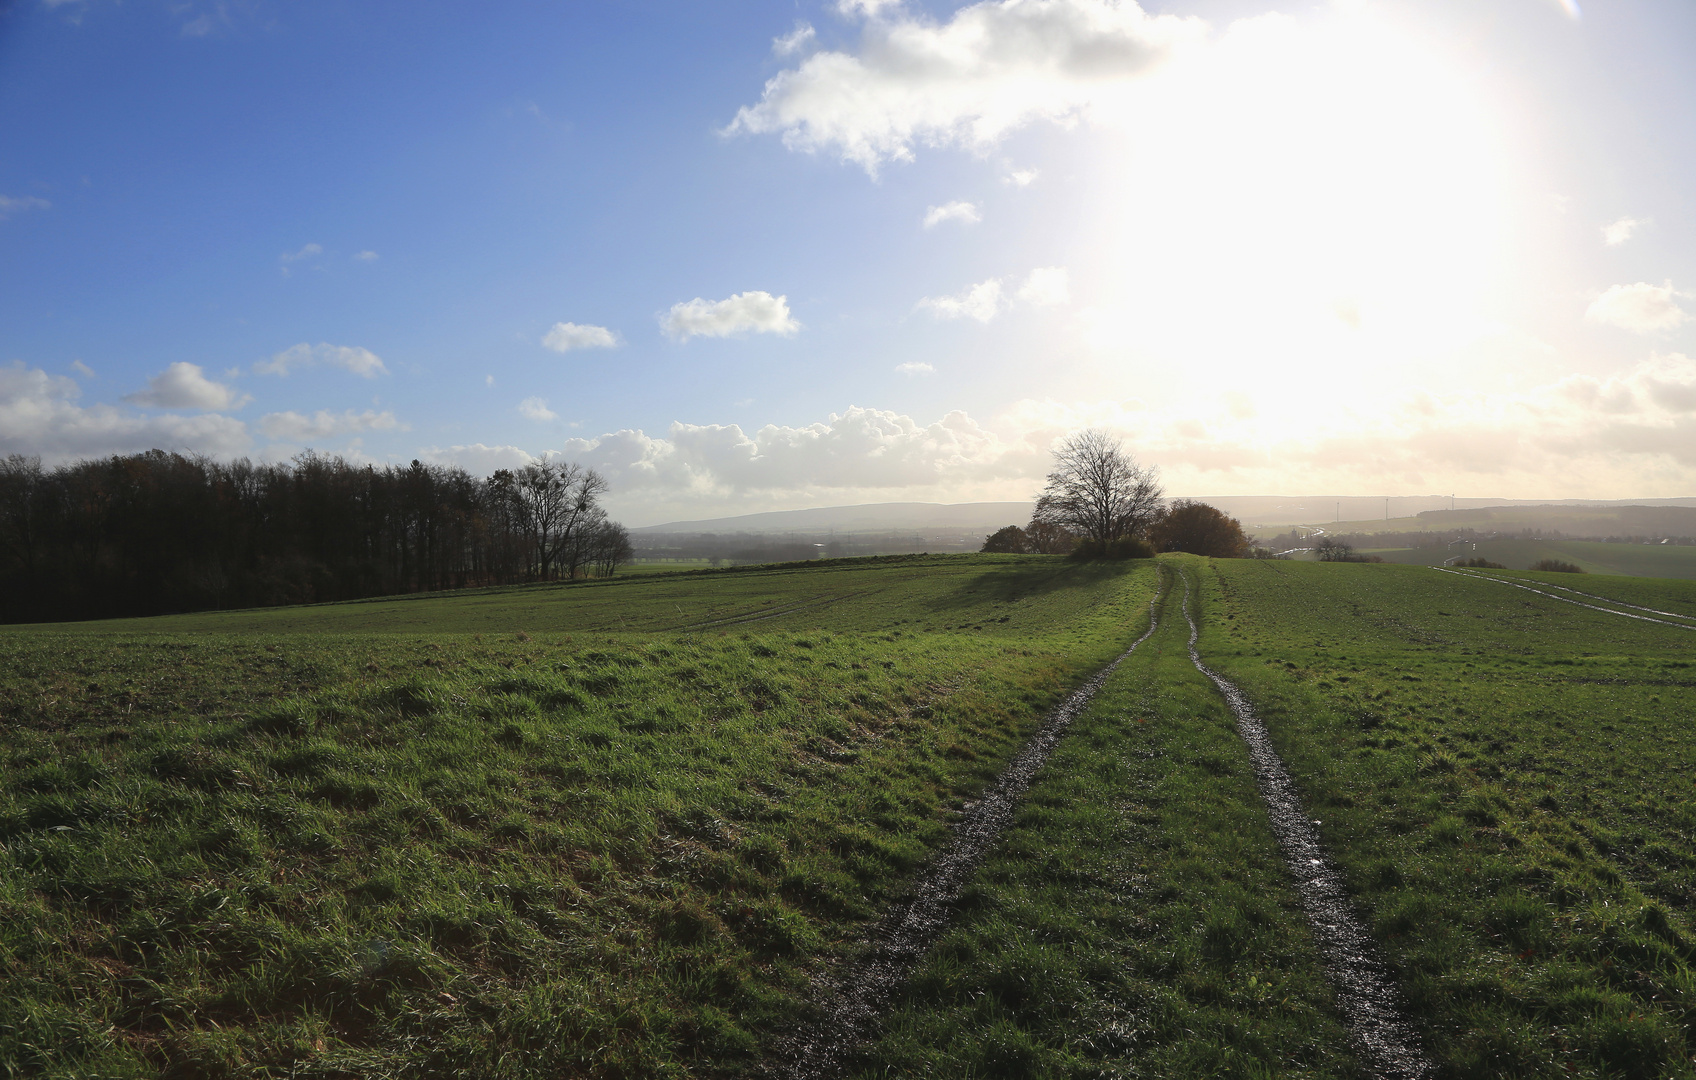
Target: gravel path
[1365,990]
[852,1002]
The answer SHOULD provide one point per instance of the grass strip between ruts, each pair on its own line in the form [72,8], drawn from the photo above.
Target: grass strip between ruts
[1136,920]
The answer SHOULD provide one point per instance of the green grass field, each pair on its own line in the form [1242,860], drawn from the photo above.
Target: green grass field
[1634,560]
[501,834]
[620,828]
[1506,782]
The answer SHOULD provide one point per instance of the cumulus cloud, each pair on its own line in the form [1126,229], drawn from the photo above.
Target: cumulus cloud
[1632,433]
[1622,230]
[82,369]
[39,414]
[323,424]
[795,41]
[1022,177]
[185,386]
[367,256]
[479,458]
[915,367]
[1047,286]
[566,336]
[981,302]
[964,212]
[756,312]
[857,450]
[10,205]
[351,358]
[1641,308]
[535,408]
[992,67]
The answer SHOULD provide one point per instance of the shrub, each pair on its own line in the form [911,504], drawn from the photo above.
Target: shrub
[1010,540]
[1555,566]
[1482,563]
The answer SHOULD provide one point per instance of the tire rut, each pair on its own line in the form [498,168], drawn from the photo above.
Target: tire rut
[1580,603]
[851,1003]
[1366,992]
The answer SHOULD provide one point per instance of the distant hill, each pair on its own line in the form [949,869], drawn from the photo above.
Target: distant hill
[1267,511]
[870,518]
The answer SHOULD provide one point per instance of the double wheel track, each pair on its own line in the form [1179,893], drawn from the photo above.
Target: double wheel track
[853,1001]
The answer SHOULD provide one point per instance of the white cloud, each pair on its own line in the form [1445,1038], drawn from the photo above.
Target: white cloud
[185,386]
[82,369]
[566,336]
[39,415]
[367,256]
[488,380]
[758,312]
[964,212]
[10,205]
[1047,286]
[478,458]
[359,361]
[993,67]
[304,253]
[981,302]
[796,40]
[870,9]
[323,424]
[915,367]
[1022,177]
[535,408]
[1622,230]
[1641,308]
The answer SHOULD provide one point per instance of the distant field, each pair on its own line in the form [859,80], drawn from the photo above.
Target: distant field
[1633,560]
[622,828]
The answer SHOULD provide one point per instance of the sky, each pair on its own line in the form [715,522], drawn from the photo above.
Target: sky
[769,255]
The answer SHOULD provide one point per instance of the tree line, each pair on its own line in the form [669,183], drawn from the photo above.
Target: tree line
[159,532]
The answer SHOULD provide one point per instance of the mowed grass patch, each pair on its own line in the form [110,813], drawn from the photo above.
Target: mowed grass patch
[535,854]
[1137,919]
[1505,780]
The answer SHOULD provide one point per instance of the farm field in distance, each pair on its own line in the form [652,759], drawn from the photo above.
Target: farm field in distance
[621,829]
[1635,560]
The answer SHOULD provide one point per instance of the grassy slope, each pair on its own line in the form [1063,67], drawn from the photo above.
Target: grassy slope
[1137,920]
[1506,782]
[326,842]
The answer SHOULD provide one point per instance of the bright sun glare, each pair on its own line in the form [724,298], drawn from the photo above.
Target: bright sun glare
[1298,194]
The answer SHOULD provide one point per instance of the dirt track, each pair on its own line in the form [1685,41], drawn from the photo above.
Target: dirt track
[852,1002]
[1365,991]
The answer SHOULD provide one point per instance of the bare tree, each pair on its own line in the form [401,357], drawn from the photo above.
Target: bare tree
[1097,490]
[560,500]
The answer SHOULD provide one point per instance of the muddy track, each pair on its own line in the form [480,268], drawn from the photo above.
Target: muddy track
[1580,603]
[851,1002]
[1366,992]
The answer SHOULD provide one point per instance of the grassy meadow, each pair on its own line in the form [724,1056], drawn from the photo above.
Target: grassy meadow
[605,830]
[620,829]
[1506,781]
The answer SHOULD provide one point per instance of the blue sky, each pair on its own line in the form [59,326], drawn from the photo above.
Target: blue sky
[821,253]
